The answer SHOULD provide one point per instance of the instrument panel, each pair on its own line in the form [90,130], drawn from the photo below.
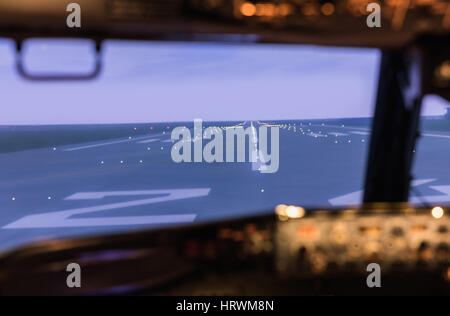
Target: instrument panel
[420,15]
[347,242]
[295,252]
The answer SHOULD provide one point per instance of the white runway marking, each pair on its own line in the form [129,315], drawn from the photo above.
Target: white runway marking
[148,141]
[367,131]
[258,165]
[97,145]
[316,135]
[435,198]
[356,198]
[345,127]
[102,195]
[360,133]
[132,139]
[338,134]
[63,218]
[435,135]
[256,157]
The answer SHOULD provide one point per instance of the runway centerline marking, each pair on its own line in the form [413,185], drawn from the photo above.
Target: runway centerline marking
[256,156]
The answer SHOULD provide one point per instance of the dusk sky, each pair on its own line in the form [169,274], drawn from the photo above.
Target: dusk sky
[166,82]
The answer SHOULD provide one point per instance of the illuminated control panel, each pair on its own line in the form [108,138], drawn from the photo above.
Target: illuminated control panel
[324,242]
[323,22]
[420,15]
[298,252]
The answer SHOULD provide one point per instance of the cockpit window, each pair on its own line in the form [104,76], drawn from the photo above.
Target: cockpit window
[432,177]
[177,133]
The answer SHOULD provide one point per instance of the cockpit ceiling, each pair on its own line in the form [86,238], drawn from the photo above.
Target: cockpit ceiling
[329,22]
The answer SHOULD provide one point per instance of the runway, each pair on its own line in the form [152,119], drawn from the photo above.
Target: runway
[131,183]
